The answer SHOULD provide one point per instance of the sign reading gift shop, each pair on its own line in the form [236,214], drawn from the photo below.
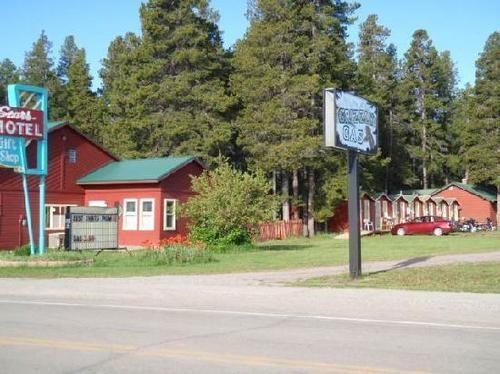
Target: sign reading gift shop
[351,124]
[9,153]
[21,123]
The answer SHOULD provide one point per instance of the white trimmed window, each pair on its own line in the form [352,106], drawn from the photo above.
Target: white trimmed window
[169,215]
[55,215]
[147,215]
[130,214]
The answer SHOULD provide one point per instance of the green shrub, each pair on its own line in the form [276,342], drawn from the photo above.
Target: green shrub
[24,250]
[227,203]
[178,255]
[213,236]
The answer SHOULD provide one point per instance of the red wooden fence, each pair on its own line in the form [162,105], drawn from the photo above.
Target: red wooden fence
[280,230]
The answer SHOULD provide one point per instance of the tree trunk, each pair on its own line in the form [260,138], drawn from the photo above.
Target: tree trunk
[310,202]
[275,191]
[387,169]
[285,191]
[305,197]
[295,188]
[424,149]
[498,207]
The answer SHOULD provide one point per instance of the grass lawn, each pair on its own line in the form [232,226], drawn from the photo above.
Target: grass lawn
[474,277]
[322,250]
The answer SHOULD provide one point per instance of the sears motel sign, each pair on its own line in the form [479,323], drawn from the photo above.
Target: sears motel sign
[21,122]
[18,123]
[350,122]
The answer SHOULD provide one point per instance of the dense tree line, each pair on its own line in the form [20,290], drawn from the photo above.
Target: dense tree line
[174,89]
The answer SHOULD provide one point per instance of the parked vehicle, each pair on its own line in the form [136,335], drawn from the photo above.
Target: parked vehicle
[467,225]
[424,225]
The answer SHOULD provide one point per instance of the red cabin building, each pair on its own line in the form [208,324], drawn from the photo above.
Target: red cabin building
[475,202]
[71,155]
[81,172]
[148,192]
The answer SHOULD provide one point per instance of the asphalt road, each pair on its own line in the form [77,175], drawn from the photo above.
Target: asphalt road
[228,324]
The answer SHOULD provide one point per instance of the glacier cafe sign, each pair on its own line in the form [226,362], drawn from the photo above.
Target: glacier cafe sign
[350,122]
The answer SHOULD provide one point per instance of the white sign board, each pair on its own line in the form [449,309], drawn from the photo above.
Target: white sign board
[350,122]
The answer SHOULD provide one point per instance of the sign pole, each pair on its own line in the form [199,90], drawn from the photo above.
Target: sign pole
[353,210]
[41,220]
[27,207]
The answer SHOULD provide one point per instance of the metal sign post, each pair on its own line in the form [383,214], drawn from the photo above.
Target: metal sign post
[353,210]
[351,124]
[23,122]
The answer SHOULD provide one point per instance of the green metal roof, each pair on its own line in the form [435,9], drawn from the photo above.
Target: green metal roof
[427,191]
[139,170]
[54,124]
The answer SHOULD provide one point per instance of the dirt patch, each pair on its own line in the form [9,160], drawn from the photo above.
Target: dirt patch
[44,263]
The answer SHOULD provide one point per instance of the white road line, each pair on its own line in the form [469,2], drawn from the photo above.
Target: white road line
[255,314]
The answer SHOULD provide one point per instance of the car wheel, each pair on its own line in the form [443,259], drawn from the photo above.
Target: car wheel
[438,231]
[401,231]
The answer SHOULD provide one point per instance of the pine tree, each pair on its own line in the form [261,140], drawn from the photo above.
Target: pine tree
[291,51]
[38,70]
[427,89]
[483,133]
[84,108]
[180,101]
[8,74]
[67,55]
[377,80]
[119,85]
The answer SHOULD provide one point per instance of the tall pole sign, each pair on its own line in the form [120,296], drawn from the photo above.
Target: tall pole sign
[22,122]
[351,124]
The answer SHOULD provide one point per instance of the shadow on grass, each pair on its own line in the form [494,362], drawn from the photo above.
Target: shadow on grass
[403,264]
[284,247]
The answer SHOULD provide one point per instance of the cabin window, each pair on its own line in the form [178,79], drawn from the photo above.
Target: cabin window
[169,218]
[55,215]
[72,156]
[130,214]
[147,218]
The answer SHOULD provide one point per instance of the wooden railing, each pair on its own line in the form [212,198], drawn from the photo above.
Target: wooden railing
[280,230]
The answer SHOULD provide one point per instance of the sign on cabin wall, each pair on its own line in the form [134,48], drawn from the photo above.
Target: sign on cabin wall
[91,228]
[350,122]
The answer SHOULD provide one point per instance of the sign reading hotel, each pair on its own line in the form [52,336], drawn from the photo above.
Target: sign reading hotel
[350,122]
[21,122]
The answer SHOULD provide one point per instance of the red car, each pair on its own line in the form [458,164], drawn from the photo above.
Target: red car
[424,225]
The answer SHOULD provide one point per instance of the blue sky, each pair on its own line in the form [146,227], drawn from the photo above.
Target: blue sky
[459,26]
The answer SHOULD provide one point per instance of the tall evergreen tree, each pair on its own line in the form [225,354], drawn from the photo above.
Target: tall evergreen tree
[119,84]
[84,108]
[180,101]
[482,138]
[377,80]
[292,50]
[67,55]
[38,70]
[427,88]
[9,73]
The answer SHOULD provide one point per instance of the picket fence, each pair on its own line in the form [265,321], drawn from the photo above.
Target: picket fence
[280,230]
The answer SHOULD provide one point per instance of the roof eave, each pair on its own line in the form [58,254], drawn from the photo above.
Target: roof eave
[180,166]
[119,182]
